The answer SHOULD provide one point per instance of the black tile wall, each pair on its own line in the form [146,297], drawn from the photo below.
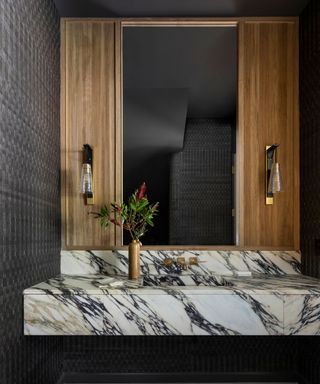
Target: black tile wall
[310,167]
[309,361]
[29,181]
[310,137]
[181,354]
[201,198]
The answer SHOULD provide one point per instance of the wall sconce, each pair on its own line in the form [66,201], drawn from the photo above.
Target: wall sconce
[86,175]
[273,176]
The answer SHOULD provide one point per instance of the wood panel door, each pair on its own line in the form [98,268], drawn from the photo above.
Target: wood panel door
[90,88]
[268,113]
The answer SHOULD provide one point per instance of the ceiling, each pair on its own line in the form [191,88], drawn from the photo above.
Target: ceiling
[175,8]
[200,61]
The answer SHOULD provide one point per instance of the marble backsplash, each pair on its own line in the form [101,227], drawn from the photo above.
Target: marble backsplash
[276,263]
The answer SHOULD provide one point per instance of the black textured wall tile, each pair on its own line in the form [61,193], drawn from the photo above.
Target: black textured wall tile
[202,168]
[309,361]
[29,181]
[178,354]
[310,136]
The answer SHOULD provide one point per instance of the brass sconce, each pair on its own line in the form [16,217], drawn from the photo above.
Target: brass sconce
[86,175]
[273,176]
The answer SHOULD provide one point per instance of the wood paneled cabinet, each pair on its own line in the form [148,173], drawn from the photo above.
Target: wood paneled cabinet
[268,112]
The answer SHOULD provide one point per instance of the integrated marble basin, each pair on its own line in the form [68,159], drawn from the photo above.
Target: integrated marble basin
[191,280]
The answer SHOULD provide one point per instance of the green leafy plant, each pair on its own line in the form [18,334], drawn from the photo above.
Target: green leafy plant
[134,217]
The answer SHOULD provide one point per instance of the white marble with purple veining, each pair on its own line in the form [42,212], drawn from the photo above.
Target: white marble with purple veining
[302,314]
[77,305]
[162,305]
[205,300]
[217,262]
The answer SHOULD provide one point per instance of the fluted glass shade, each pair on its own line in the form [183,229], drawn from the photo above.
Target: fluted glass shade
[275,181]
[86,179]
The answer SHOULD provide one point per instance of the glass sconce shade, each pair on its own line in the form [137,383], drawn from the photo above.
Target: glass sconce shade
[86,179]
[275,182]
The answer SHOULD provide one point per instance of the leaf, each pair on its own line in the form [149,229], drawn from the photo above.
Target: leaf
[133,207]
[133,217]
[143,203]
[149,221]
[104,221]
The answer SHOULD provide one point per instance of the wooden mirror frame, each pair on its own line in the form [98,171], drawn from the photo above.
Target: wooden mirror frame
[261,40]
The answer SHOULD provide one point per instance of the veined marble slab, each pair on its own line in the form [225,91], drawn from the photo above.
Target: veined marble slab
[77,305]
[302,314]
[59,307]
[218,262]
[171,313]
[205,300]
[193,284]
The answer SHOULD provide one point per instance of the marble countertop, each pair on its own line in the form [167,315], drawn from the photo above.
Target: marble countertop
[205,300]
[191,283]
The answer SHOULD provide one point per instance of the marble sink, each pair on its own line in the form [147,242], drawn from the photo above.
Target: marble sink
[208,300]
[180,280]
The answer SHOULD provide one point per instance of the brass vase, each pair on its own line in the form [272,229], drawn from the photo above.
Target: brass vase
[134,259]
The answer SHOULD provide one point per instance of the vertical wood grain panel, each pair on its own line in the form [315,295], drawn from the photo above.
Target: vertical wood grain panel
[119,124]
[89,94]
[239,179]
[268,113]
[63,129]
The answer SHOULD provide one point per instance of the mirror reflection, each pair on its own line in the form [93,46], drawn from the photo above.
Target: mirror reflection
[179,121]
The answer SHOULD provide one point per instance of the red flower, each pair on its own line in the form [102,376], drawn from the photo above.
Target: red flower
[115,222]
[141,191]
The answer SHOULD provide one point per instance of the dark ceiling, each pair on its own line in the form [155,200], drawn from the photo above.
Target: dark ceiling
[175,8]
[202,61]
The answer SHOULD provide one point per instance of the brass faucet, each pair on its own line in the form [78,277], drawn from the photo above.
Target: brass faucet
[181,262]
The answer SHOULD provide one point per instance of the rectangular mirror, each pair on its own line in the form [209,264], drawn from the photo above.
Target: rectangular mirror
[179,129]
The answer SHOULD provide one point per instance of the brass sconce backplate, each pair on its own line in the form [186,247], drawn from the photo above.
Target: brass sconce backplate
[270,153]
[269,197]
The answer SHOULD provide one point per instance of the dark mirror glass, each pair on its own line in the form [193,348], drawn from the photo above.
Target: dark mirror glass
[179,122]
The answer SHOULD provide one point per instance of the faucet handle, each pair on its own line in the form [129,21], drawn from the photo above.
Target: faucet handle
[182,262]
[168,262]
[193,260]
